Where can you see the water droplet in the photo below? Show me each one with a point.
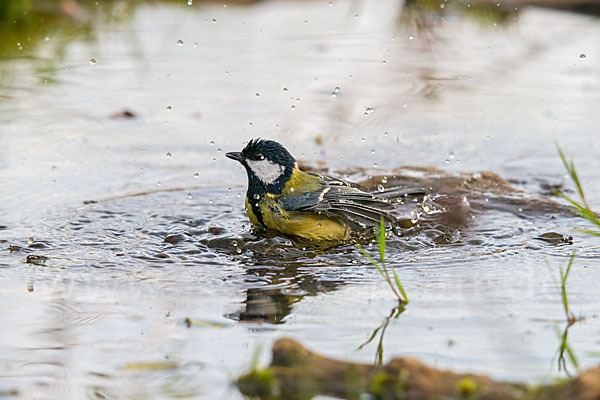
(380, 188)
(384, 179)
(368, 110)
(330, 4)
(190, 2)
(92, 61)
(210, 201)
(46, 38)
(293, 107)
(169, 155)
(372, 151)
(190, 196)
(363, 140)
(442, 5)
(375, 165)
(256, 196)
(582, 55)
(219, 150)
(180, 42)
(404, 105)
(355, 16)
(212, 143)
(335, 91)
(285, 89)
(411, 37)
(30, 240)
(197, 175)
(319, 224)
(292, 190)
(214, 21)
(158, 183)
(257, 94)
(305, 21)
(195, 44)
(169, 108)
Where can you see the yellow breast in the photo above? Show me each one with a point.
(308, 225)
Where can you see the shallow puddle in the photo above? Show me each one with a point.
(128, 266)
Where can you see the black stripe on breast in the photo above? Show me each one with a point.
(255, 206)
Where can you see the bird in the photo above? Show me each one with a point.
(313, 207)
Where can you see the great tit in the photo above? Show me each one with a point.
(319, 208)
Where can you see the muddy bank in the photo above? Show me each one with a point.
(297, 373)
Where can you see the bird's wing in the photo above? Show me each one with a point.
(399, 193)
(337, 198)
(391, 194)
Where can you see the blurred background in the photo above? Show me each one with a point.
(114, 120)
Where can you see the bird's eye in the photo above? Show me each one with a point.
(260, 156)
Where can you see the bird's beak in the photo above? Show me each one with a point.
(235, 155)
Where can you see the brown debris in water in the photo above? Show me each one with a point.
(124, 114)
(297, 373)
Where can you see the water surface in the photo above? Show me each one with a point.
(95, 196)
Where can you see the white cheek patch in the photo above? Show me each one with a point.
(265, 170)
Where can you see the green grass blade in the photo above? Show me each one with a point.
(570, 167)
(581, 210)
(565, 301)
(371, 259)
(571, 259)
(571, 356)
(370, 338)
(381, 241)
(562, 157)
(587, 231)
(575, 179)
(400, 287)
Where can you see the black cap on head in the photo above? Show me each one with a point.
(268, 164)
(259, 149)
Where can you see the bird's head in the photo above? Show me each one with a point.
(268, 164)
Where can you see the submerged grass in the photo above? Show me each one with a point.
(564, 349)
(398, 289)
(395, 313)
(582, 208)
(395, 286)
